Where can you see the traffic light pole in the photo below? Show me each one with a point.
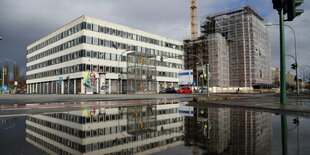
(282, 59)
(283, 82)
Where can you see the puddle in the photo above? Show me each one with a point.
(152, 128)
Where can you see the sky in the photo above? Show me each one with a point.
(24, 21)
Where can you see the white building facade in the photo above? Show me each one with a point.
(94, 50)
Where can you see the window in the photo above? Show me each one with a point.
(107, 69)
(113, 69)
(88, 54)
(108, 56)
(101, 55)
(89, 26)
(88, 40)
(95, 41)
(95, 27)
(113, 57)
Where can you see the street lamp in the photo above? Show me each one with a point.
(1, 38)
(7, 59)
(197, 76)
(120, 89)
(295, 58)
(203, 70)
(118, 69)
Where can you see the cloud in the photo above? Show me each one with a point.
(23, 22)
(300, 26)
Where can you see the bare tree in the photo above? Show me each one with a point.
(16, 73)
(7, 73)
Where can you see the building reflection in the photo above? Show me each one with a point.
(226, 131)
(111, 130)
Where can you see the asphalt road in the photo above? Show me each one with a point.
(31, 104)
(8, 99)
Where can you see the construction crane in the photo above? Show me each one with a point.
(194, 25)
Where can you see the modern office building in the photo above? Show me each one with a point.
(143, 129)
(89, 55)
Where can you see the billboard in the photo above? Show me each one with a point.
(186, 77)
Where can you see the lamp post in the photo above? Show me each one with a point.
(295, 47)
(120, 89)
(197, 76)
(118, 70)
(297, 81)
(202, 65)
(203, 70)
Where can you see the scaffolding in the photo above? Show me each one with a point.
(247, 39)
(213, 50)
(141, 73)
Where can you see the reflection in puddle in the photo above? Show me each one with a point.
(146, 128)
(162, 128)
(228, 131)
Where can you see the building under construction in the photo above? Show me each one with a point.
(243, 35)
(213, 50)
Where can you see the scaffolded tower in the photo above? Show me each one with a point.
(213, 50)
(141, 73)
(247, 37)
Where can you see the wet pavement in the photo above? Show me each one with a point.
(158, 126)
(16, 99)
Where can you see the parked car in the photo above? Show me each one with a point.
(201, 90)
(20, 92)
(168, 91)
(184, 90)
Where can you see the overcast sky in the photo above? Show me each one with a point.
(24, 21)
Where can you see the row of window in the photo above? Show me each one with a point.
(106, 30)
(105, 43)
(79, 133)
(128, 35)
(102, 131)
(58, 48)
(93, 54)
(57, 37)
(98, 146)
(135, 138)
(148, 146)
(91, 68)
(107, 143)
(48, 145)
(66, 142)
(99, 118)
